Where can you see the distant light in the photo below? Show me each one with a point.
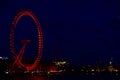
(116, 70)
(82, 70)
(93, 73)
(6, 72)
(60, 70)
(92, 70)
(72, 69)
(3, 58)
(32, 72)
(48, 72)
(6, 57)
(60, 63)
(0, 57)
(110, 62)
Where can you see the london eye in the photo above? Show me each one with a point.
(18, 56)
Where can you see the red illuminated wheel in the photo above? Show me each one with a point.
(39, 34)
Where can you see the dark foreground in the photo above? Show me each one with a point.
(91, 76)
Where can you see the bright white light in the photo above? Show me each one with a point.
(92, 70)
(6, 72)
(48, 72)
(0, 57)
(116, 70)
(110, 62)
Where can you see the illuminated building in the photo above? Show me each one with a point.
(110, 67)
(3, 64)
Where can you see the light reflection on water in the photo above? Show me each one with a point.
(24, 77)
(31, 78)
(64, 77)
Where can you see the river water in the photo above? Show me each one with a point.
(62, 77)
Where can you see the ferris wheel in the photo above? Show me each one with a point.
(18, 57)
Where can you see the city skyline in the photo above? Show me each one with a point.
(80, 32)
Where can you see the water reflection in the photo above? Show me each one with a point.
(63, 77)
(31, 78)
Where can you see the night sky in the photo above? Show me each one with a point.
(81, 32)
